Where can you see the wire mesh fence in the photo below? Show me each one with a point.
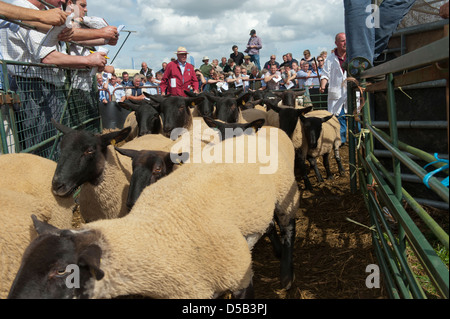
(33, 94)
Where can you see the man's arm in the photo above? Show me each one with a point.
(96, 59)
(52, 17)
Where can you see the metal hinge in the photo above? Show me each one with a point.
(9, 98)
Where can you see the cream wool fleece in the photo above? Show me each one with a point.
(165, 249)
(25, 189)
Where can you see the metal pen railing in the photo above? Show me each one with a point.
(396, 237)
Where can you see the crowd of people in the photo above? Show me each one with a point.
(237, 71)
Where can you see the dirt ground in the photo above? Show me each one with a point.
(331, 253)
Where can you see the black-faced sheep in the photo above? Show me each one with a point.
(25, 188)
(191, 246)
(148, 167)
(174, 111)
(90, 161)
(147, 115)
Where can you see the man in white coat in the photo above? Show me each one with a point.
(334, 74)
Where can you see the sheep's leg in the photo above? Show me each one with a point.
(337, 157)
(313, 163)
(287, 263)
(301, 169)
(274, 239)
(326, 164)
(246, 293)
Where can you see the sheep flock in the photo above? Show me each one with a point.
(174, 211)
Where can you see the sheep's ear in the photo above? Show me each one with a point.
(193, 101)
(127, 152)
(61, 127)
(273, 106)
(127, 105)
(212, 123)
(298, 93)
(305, 110)
(324, 119)
(154, 98)
(43, 227)
(257, 124)
(90, 257)
(115, 137)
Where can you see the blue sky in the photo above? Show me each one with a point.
(211, 28)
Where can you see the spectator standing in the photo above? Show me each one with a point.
(253, 46)
(304, 73)
(103, 94)
(145, 70)
(126, 79)
(334, 74)
(163, 68)
(230, 66)
(320, 62)
(273, 78)
(206, 67)
(247, 64)
(285, 61)
(255, 74)
(237, 56)
(290, 59)
(308, 58)
(215, 64)
(179, 76)
(272, 61)
(223, 62)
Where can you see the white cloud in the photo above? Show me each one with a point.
(211, 27)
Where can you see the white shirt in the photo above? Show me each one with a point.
(24, 46)
(337, 93)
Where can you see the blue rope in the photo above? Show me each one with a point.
(428, 176)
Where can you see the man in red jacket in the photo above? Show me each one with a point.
(179, 76)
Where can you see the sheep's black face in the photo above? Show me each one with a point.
(148, 168)
(175, 112)
(148, 120)
(288, 120)
(81, 160)
(206, 107)
(57, 265)
(227, 110)
(312, 127)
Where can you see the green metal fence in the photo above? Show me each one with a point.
(393, 211)
(33, 94)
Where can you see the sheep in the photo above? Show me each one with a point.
(283, 199)
(25, 188)
(148, 167)
(292, 126)
(143, 110)
(191, 246)
(288, 97)
(175, 111)
(154, 252)
(90, 161)
(323, 136)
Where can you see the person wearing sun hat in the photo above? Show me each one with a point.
(206, 67)
(179, 76)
